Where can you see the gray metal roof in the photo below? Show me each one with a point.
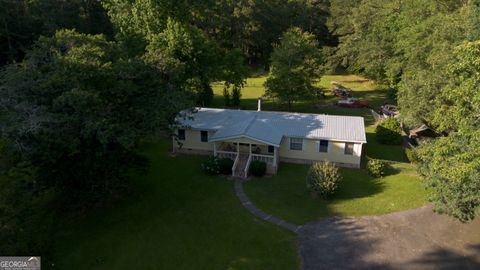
(271, 127)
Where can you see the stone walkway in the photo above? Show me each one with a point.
(259, 213)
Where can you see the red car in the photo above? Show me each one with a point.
(352, 103)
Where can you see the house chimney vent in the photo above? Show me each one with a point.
(259, 105)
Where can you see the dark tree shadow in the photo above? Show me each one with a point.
(443, 259)
(387, 242)
(336, 244)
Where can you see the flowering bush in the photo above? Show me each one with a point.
(211, 166)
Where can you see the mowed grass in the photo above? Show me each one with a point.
(176, 218)
(285, 195)
(364, 89)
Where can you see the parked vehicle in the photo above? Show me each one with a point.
(352, 103)
(340, 93)
(340, 90)
(388, 110)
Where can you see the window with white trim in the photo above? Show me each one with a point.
(296, 144)
(349, 148)
(323, 146)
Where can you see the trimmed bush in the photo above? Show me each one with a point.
(411, 155)
(258, 168)
(376, 167)
(225, 165)
(389, 132)
(323, 178)
(211, 166)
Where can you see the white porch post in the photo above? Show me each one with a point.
(275, 153)
(238, 148)
(215, 148)
(249, 149)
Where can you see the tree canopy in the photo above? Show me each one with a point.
(428, 50)
(295, 67)
(77, 108)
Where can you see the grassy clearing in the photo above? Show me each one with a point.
(176, 218)
(285, 194)
(363, 89)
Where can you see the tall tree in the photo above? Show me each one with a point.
(295, 67)
(154, 29)
(451, 164)
(77, 108)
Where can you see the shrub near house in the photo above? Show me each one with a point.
(323, 178)
(389, 132)
(258, 168)
(376, 167)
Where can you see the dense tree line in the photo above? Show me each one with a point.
(429, 51)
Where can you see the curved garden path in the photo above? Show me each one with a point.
(258, 212)
(412, 239)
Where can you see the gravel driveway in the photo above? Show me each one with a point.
(413, 239)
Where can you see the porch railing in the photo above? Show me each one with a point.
(265, 158)
(235, 163)
(226, 154)
(247, 166)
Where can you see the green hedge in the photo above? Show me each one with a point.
(258, 168)
(225, 165)
(389, 132)
(376, 167)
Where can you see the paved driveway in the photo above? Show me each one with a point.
(413, 239)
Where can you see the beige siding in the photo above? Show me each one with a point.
(192, 141)
(310, 151)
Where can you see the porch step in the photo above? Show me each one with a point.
(242, 162)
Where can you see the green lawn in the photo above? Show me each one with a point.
(363, 89)
(176, 218)
(285, 194)
(374, 149)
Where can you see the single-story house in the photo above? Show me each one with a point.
(271, 137)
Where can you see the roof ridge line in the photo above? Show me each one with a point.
(250, 124)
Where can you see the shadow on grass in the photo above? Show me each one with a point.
(374, 149)
(357, 184)
(392, 170)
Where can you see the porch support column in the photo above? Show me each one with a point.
(215, 148)
(249, 149)
(275, 154)
(238, 148)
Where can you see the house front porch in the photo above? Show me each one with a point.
(243, 152)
